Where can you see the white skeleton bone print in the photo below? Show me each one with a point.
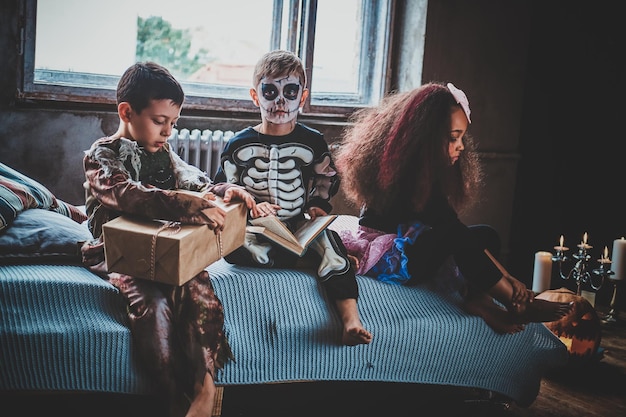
(274, 174)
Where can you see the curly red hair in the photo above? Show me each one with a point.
(396, 152)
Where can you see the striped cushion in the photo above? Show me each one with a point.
(19, 192)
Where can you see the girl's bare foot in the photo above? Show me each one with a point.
(524, 308)
(356, 335)
(541, 311)
(495, 316)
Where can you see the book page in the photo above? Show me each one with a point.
(273, 224)
(310, 229)
(277, 231)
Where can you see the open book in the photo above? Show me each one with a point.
(298, 242)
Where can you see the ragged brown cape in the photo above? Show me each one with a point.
(113, 188)
(177, 331)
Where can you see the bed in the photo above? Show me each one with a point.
(63, 329)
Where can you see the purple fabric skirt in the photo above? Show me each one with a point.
(383, 256)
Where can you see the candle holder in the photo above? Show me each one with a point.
(612, 317)
(579, 272)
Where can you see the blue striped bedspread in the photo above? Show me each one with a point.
(63, 328)
(282, 328)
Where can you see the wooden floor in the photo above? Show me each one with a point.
(595, 390)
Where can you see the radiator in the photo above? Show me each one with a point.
(200, 148)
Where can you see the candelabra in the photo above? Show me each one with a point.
(579, 272)
(611, 316)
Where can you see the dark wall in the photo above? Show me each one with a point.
(481, 46)
(571, 174)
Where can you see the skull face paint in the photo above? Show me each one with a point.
(279, 99)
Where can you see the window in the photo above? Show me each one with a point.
(76, 50)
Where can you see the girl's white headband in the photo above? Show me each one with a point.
(460, 98)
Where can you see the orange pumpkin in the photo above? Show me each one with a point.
(581, 329)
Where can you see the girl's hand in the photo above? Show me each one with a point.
(264, 209)
(316, 211)
(521, 294)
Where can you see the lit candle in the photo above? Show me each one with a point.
(619, 258)
(583, 245)
(560, 249)
(542, 272)
(604, 260)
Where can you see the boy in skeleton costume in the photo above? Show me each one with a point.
(287, 167)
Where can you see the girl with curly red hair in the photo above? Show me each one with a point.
(411, 167)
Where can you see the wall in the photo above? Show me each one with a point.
(481, 46)
(572, 137)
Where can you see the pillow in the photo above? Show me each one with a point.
(42, 235)
(19, 192)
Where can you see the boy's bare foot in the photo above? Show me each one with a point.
(356, 335)
(541, 311)
(202, 404)
(495, 316)
(353, 331)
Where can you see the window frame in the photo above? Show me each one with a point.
(219, 100)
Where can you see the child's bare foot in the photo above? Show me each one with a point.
(353, 331)
(495, 316)
(202, 404)
(540, 311)
(356, 335)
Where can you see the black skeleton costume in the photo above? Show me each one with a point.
(295, 171)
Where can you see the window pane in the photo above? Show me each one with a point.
(337, 47)
(206, 41)
(76, 50)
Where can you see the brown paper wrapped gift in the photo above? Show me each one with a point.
(170, 252)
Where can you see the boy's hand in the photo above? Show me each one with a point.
(264, 209)
(216, 217)
(208, 196)
(316, 211)
(354, 261)
(239, 194)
